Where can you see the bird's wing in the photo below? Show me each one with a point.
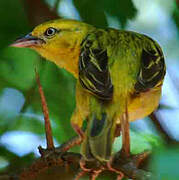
(152, 70)
(94, 75)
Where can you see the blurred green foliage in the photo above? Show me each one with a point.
(17, 72)
(123, 10)
(175, 15)
(164, 163)
(140, 142)
(13, 23)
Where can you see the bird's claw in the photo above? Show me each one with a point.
(80, 174)
(95, 172)
(120, 175)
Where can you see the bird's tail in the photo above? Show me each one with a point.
(99, 138)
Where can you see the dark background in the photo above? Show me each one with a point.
(21, 118)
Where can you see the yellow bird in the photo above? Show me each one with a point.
(116, 71)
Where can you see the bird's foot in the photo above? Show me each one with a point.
(120, 175)
(93, 168)
(128, 166)
(121, 165)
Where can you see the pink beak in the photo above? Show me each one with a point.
(28, 41)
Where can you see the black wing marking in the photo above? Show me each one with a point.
(93, 69)
(152, 69)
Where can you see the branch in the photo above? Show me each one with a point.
(54, 167)
(161, 129)
(66, 166)
(56, 6)
(48, 129)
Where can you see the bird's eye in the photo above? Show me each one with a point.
(50, 32)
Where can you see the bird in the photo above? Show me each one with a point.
(117, 71)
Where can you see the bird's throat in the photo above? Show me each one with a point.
(63, 58)
(69, 61)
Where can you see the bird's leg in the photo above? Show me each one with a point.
(82, 165)
(96, 173)
(125, 151)
(79, 131)
(124, 158)
(80, 174)
(120, 175)
(99, 168)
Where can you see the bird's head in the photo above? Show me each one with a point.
(56, 40)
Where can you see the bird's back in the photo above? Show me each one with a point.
(137, 71)
(120, 69)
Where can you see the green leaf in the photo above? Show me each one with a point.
(123, 10)
(94, 12)
(91, 12)
(13, 21)
(17, 67)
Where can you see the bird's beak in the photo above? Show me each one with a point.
(28, 41)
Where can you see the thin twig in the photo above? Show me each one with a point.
(69, 144)
(55, 9)
(48, 129)
(161, 129)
